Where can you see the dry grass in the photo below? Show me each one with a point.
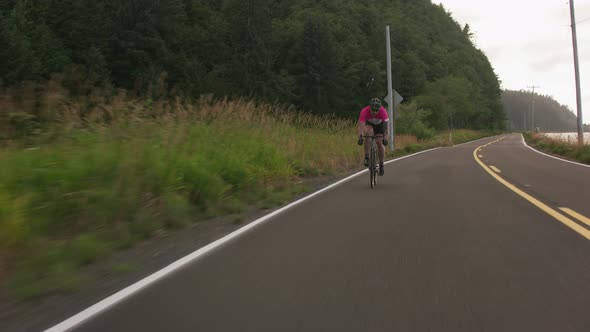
(108, 170)
(557, 147)
(404, 140)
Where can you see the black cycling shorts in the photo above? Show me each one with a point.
(378, 129)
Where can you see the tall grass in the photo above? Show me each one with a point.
(558, 147)
(85, 177)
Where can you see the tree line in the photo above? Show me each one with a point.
(549, 115)
(323, 56)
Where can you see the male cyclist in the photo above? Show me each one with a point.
(373, 121)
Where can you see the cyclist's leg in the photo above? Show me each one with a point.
(379, 131)
(368, 132)
(381, 153)
(380, 148)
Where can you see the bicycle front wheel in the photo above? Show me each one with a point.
(373, 168)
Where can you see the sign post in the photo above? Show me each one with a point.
(389, 88)
(395, 101)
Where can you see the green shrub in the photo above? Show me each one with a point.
(14, 228)
(44, 270)
(561, 149)
(412, 121)
(85, 248)
(179, 211)
(412, 148)
(583, 154)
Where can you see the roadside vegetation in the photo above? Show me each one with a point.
(82, 177)
(559, 148)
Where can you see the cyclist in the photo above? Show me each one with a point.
(373, 121)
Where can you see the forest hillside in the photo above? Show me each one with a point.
(323, 56)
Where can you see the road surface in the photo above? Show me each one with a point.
(441, 244)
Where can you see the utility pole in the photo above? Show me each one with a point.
(577, 70)
(533, 122)
(389, 91)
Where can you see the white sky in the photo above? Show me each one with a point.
(529, 42)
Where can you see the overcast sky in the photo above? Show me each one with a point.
(529, 42)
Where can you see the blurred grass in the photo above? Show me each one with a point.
(558, 147)
(84, 186)
(82, 177)
(122, 268)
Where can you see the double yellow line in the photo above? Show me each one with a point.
(550, 211)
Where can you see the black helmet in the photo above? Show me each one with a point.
(375, 104)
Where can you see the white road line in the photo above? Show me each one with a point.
(550, 156)
(112, 300)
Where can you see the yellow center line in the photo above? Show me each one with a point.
(545, 208)
(495, 169)
(576, 215)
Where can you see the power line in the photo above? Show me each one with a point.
(569, 25)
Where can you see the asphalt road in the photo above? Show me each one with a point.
(439, 245)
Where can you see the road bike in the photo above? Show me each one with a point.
(373, 164)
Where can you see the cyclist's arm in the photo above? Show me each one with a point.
(361, 128)
(386, 130)
(385, 118)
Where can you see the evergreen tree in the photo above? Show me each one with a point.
(251, 45)
(320, 55)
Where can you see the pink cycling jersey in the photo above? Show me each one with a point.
(369, 118)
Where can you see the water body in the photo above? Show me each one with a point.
(569, 137)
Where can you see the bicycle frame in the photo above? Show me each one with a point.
(373, 164)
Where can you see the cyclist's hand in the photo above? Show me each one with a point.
(361, 140)
(385, 142)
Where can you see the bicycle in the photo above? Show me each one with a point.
(373, 164)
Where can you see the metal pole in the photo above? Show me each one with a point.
(389, 90)
(533, 116)
(577, 70)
